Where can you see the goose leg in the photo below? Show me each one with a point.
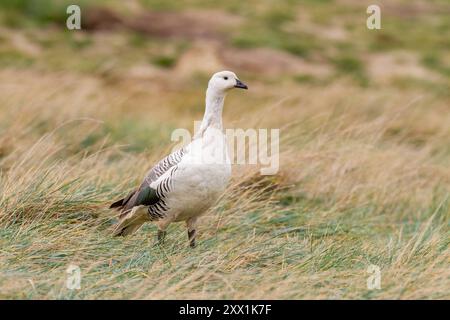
(192, 231)
(162, 226)
(161, 236)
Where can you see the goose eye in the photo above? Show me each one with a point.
(225, 78)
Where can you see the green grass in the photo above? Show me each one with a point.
(434, 62)
(349, 65)
(137, 267)
(11, 57)
(165, 61)
(39, 11)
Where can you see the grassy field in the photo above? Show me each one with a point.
(364, 119)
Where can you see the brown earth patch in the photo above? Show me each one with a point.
(212, 56)
(401, 9)
(206, 24)
(20, 42)
(384, 66)
(201, 56)
(413, 9)
(97, 18)
(304, 23)
(271, 61)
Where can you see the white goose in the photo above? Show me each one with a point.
(187, 182)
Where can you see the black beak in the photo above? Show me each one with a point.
(240, 85)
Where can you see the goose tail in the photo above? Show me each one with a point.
(131, 221)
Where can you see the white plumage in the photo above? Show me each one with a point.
(183, 185)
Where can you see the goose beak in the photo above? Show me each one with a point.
(240, 85)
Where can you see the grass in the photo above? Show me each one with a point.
(347, 196)
(165, 61)
(364, 170)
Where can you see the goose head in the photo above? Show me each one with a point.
(223, 81)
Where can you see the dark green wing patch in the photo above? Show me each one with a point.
(146, 196)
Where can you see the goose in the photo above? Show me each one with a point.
(184, 184)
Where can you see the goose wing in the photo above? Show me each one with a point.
(146, 195)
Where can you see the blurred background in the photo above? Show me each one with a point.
(172, 47)
(364, 119)
(304, 42)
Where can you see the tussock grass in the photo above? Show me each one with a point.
(363, 180)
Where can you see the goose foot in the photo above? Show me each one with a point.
(161, 236)
(191, 237)
(192, 230)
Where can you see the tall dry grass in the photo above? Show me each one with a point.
(364, 179)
